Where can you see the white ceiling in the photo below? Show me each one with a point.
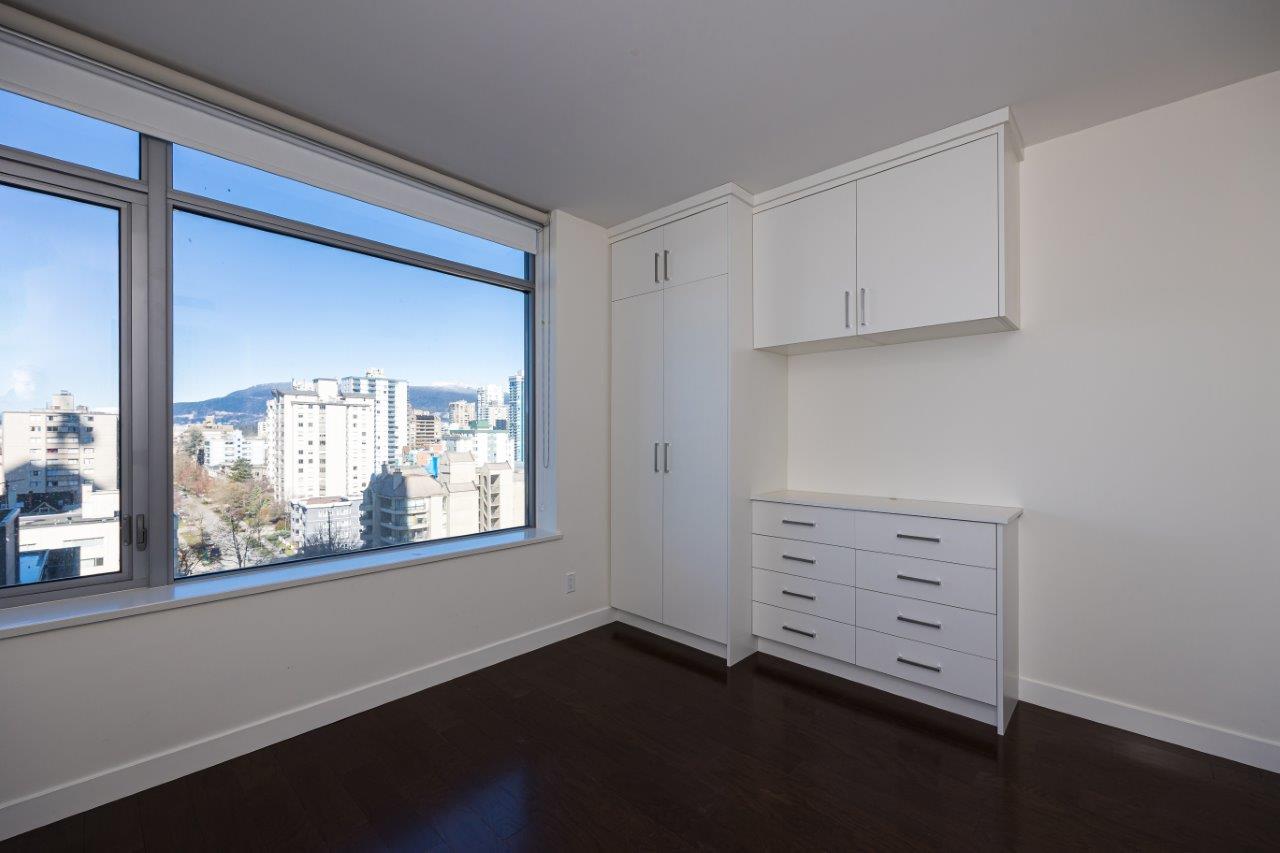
(611, 108)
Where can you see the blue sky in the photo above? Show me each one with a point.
(249, 306)
(59, 268)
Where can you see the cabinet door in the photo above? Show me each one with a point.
(804, 284)
(635, 507)
(636, 264)
(928, 240)
(695, 375)
(696, 247)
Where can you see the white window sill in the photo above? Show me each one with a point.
(85, 609)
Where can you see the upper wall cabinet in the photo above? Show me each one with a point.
(929, 241)
(805, 251)
(917, 242)
(688, 249)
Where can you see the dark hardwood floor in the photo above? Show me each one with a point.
(615, 740)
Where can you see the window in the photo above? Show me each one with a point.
(58, 252)
(292, 422)
(234, 183)
(64, 135)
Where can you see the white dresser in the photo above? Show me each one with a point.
(918, 598)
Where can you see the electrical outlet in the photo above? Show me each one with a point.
(570, 582)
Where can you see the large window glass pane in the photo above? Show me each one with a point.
(65, 135)
(235, 183)
(327, 401)
(59, 388)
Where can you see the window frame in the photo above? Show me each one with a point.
(37, 173)
(147, 206)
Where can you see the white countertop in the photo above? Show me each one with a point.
(901, 506)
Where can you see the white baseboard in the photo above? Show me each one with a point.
(693, 641)
(43, 807)
(1247, 749)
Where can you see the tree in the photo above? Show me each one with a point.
(192, 442)
(240, 471)
(243, 507)
(190, 476)
(193, 551)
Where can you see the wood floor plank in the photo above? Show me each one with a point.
(615, 739)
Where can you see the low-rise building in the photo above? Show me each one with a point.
(79, 542)
(327, 525)
(501, 493)
(8, 545)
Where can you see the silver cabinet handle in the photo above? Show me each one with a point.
(910, 662)
(926, 624)
(915, 538)
(933, 581)
(800, 595)
(846, 309)
(655, 267)
(862, 307)
(809, 634)
(666, 275)
(799, 559)
(655, 456)
(800, 523)
(666, 457)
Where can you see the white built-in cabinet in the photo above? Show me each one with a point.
(689, 249)
(709, 296)
(682, 369)
(913, 243)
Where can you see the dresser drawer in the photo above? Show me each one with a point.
(807, 559)
(973, 587)
(810, 523)
(955, 672)
(805, 631)
(969, 542)
(828, 600)
(938, 624)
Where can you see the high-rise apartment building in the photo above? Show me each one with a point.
(516, 414)
(428, 427)
(391, 412)
(47, 454)
(461, 414)
(321, 440)
(487, 396)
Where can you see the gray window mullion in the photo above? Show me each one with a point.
(158, 556)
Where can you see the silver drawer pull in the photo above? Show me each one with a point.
(902, 618)
(932, 581)
(809, 634)
(915, 538)
(800, 523)
(799, 559)
(910, 662)
(800, 595)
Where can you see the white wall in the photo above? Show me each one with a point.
(1136, 415)
(81, 701)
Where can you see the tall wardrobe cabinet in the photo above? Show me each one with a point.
(688, 448)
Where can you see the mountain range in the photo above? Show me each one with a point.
(249, 405)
